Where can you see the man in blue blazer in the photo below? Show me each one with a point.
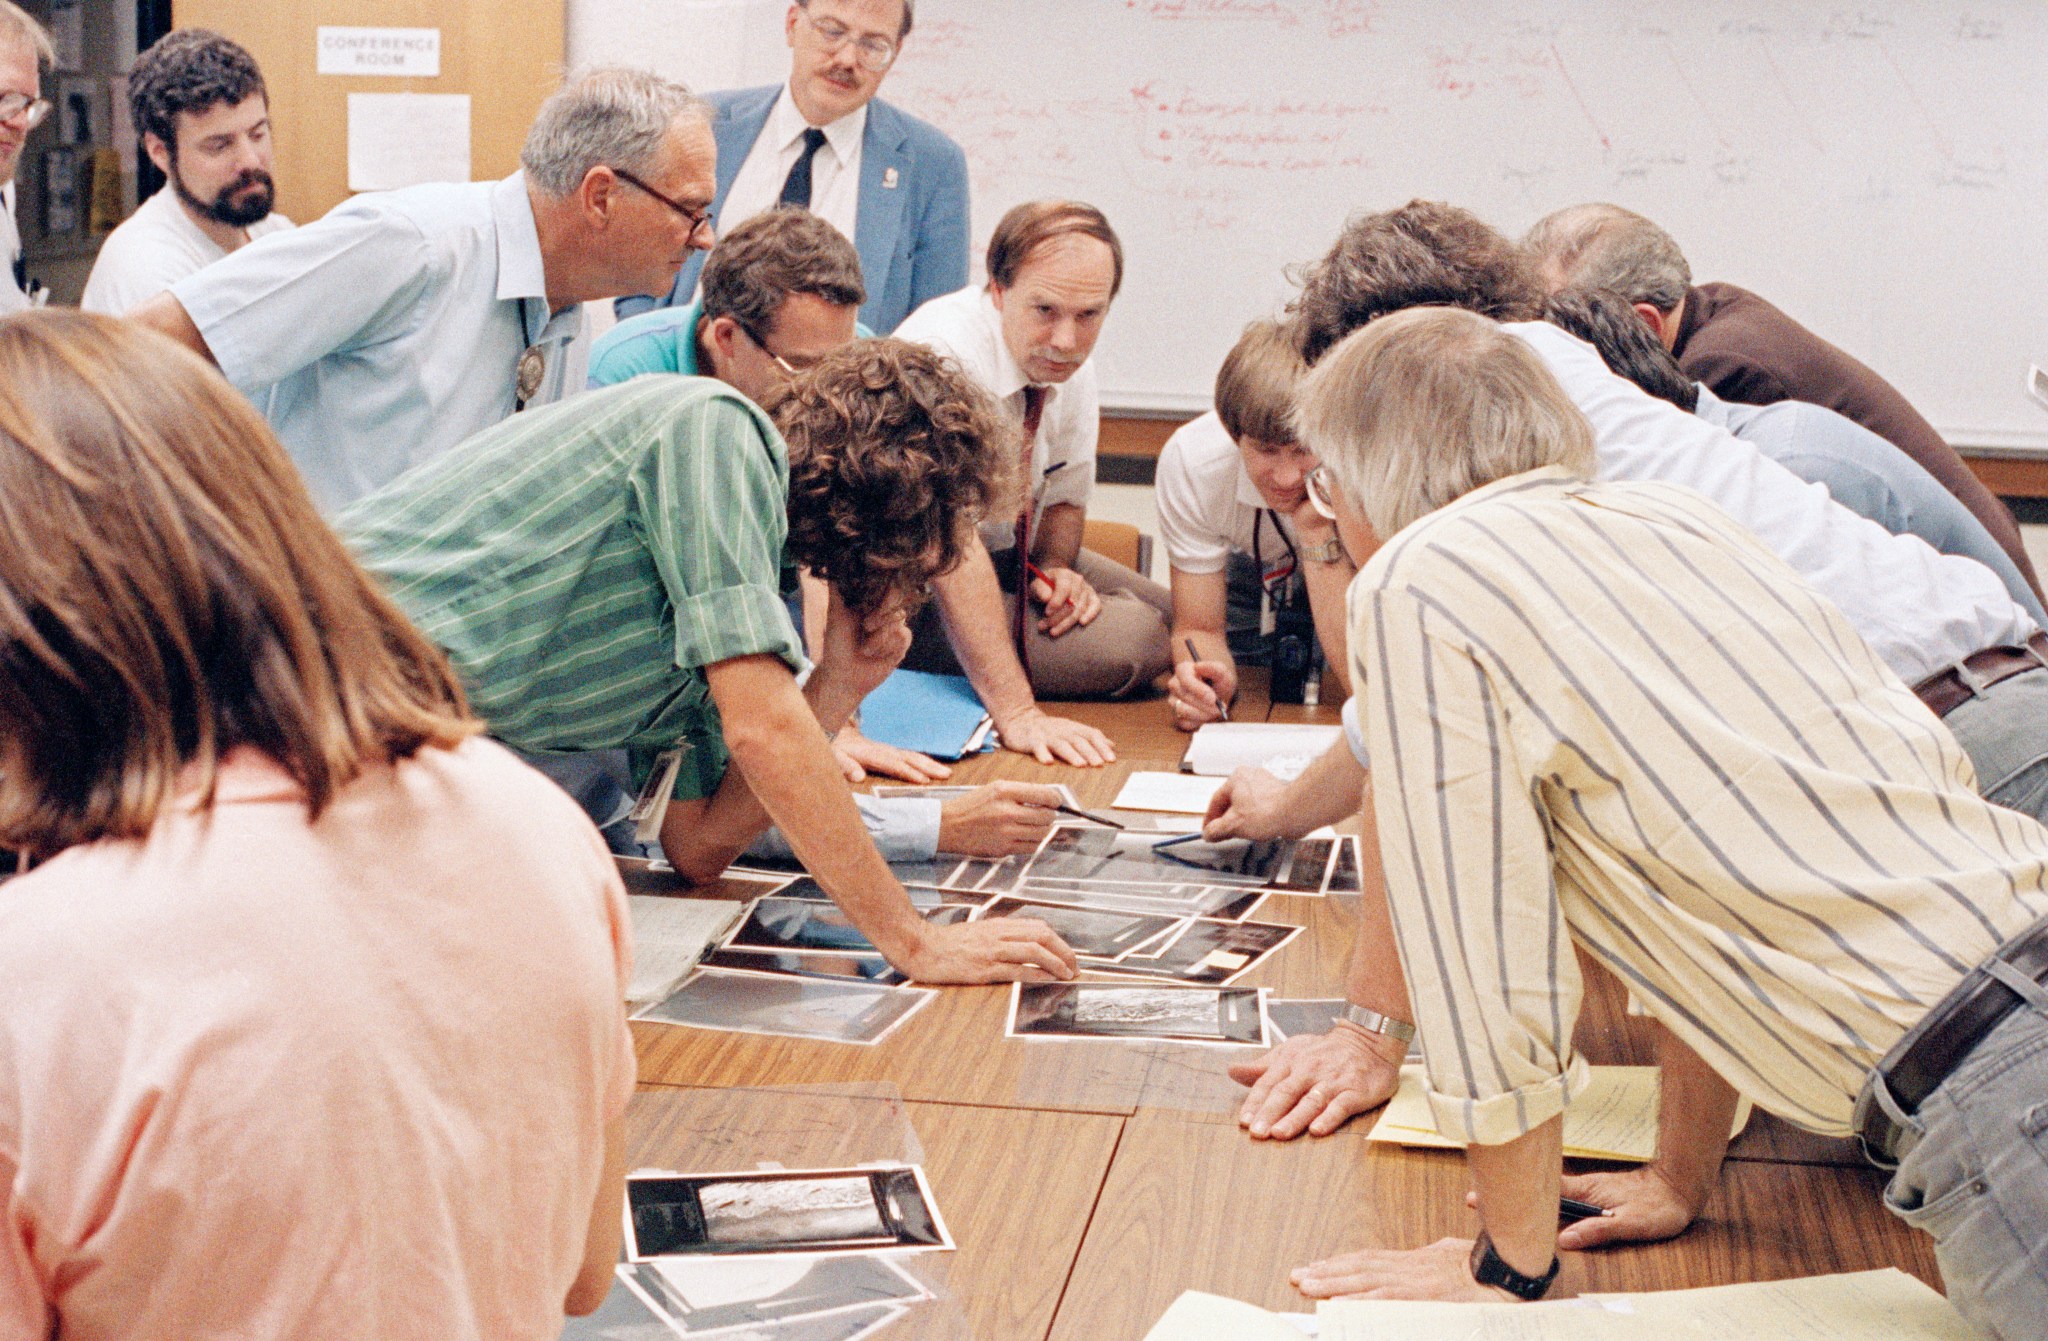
(894, 184)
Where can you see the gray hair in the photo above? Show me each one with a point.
(613, 116)
(17, 24)
(1425, 405)
(1607, 247)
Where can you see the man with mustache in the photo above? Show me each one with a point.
(199, 104)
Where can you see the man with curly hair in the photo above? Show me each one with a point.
(611, 573)
(200, 107)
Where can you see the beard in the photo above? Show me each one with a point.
(252, 207)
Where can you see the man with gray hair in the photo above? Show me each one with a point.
(406, 321)
(1745, 350)
(24, 54)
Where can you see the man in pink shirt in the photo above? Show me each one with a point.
(310, 1005)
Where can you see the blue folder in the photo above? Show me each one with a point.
(916, 710)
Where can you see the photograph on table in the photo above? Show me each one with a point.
(653, 875)
(1093, 933)
(1288, 1016)
(1223, 903)
(938, 871)
(1073, 853)
(806, 924)
(696, 1295)
(809, 1211)
(921, 896)
(1113, 1011)
(851, 967)
(1344, 877)
(1214, 953)
(831, 1011)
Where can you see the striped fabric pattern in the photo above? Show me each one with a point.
(1605, 714)
(581, 563)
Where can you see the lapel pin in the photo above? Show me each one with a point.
(888, 179)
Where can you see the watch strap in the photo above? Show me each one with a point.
(1489, 1269)
(1375, 1023)
(1330, 551)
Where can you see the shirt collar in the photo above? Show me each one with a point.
(1247, 492)
(1009, 376)
(786, 125)
(521, 272)
(1541, 477)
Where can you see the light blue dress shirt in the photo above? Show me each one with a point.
(1869, 476)
(390, 330)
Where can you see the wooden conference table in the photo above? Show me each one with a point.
(1088, 1184)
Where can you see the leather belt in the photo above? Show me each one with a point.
(1931, 1049)
(1952, 686)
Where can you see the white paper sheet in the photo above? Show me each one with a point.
(1180, 793)
(403, 139)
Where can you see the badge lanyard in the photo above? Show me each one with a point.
(1273, 584)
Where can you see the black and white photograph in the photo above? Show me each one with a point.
(1208, 952)
(921, 896)
(696, 1295)
(833, 1011)
(1093, 933)
(1075, 853)
(1225, 903)
(850, 966)
(1233, 1015)
(778, 923)
(812, 1211)
(1288, 1016)
(1344, 877)
(1307, 866)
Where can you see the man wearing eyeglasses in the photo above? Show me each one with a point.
(24, 52)
(406, 321)
(894, 184)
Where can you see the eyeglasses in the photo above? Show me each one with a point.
(1317, 485)
(875, 54)
(699, 218)
(762, 345)
(25, 106)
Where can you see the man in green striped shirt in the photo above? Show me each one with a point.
(610, 573)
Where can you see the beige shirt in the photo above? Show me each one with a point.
(1605, 714)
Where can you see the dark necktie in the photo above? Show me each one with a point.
(1034, 413)
(796, 188)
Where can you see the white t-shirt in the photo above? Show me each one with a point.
(12, 299)
(153, 249)
(1208, 506)
(835, 168)
(965, 326)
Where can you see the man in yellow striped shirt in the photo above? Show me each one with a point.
(1605, 715)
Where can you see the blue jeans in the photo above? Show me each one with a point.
(2004, 730)
(1977, 1181)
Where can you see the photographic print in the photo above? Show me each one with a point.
(1126, 856)
(784, 1211)
(1114, 1011)
(1344, 877)
(1093, 933)
(1209, 952)
(809, 964)
(1307, 866)
(709, 1294)
(921, 896)
(832, 1011)
(1288, 1017)
(779, 923)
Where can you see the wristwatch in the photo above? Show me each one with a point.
(1329, 551)
(1488, 1269)
(1375, 1023)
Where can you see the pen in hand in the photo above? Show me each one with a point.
(1194, 656)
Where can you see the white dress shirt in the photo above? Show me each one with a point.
(1918, 609)
(965, 326)
(154, 248)
(12, 299)
(1208, 506)
(835, 168)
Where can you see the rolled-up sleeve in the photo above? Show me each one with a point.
(291, 298)
(1481, 932)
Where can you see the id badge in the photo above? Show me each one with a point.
(650, 808)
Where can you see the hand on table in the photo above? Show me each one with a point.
(1199, 692)
(1249, 804)
(858, 756)
(999, 820)
(1055, 740)
(1315, 1083)
(1443, 1270)
(1646, 1206)
(1003, 949)
(1069, 601)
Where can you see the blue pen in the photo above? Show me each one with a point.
(1178, 839)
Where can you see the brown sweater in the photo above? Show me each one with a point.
(1746, 350)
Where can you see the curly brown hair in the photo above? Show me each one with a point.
(894, 453)
(1424, 254)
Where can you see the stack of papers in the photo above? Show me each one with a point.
(1886, 1305)
(1614, 1117)
(939, 715)
(670, 937)
(1221, 748)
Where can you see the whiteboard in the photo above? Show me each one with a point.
(1879, 170)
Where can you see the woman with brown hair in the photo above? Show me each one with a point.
(260, 1070)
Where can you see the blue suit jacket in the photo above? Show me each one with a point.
(911, 236)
